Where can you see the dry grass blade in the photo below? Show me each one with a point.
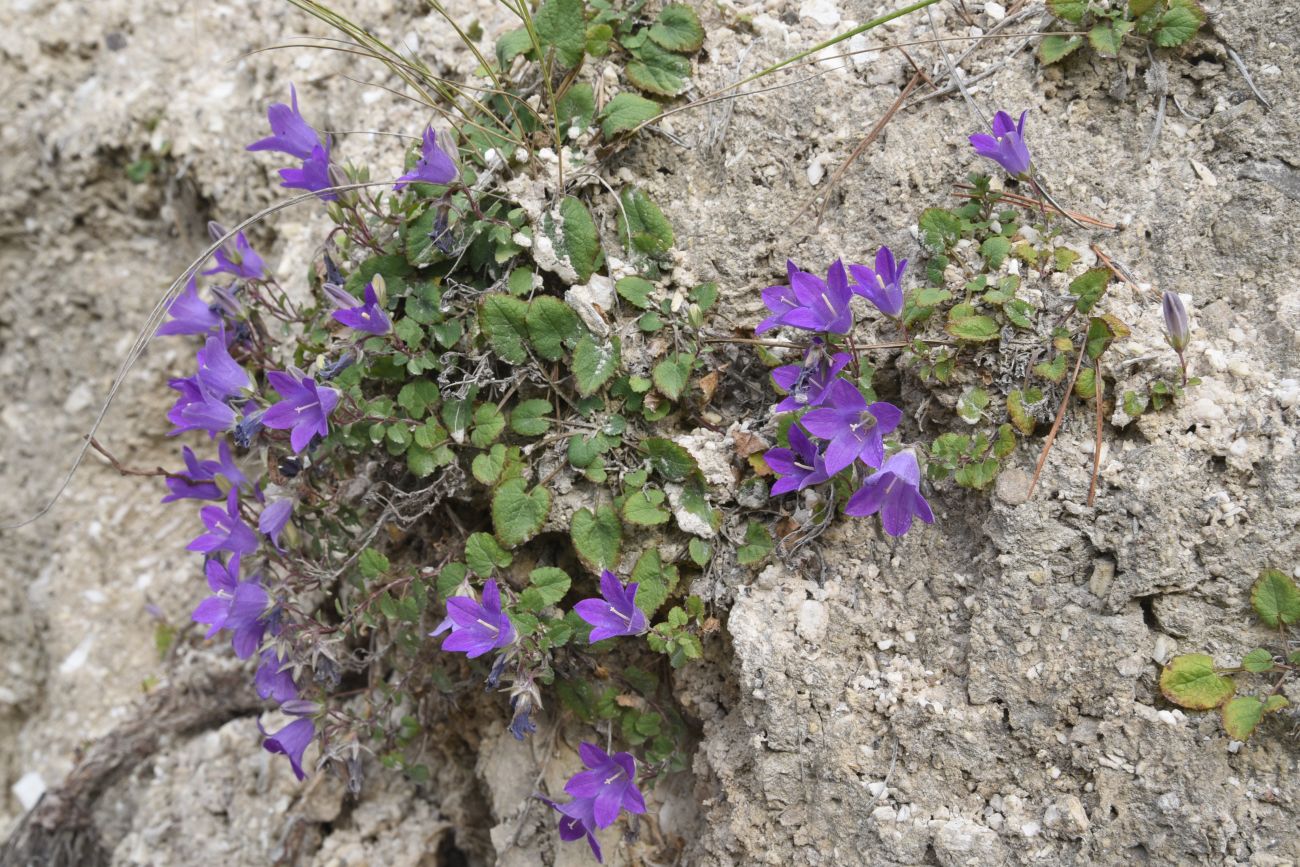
(1096, 450)
(1056, 425)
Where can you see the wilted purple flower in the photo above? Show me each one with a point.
(616, 614)
(1177, 325)
(314, 175)
(433, 167)
(477, 628)
(610, 784)
(239, 260)
(894, 492)
(882, 285)
(855, 430)
(219, 374)
(799, 466)
(226, 530)
(817, 305)
(274, 678)
(304, 409)
(578, 820)
(369, 317)
(1006, 146)
(198, 409)
(249, 426)
(807, 383)
(196, 483)
(292, 741)
(190, 315)
(521, 723)
(274, 518)
(290, 133)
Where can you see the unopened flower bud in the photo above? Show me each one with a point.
(300, 707)
(1177, 327)
(695, 316)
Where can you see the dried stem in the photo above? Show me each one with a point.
(1056, 425)
(1096, 448)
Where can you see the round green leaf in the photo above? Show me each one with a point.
(668, 459)
(1258, 660)
(594, 364)
(517, 513)
(502, 320)
(977, 329)
(529, 418)
(1241, 715)
(1276, 599)
(551, 324)
(625, 112)
(488, 425)
(673, 373)
(597, 537)
(678, 29)
(483, 554)
(1192, 682)
(639, 509)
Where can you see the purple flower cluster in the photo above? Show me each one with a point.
(292, 135)
(598, 795)
(850, 428)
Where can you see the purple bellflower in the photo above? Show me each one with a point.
(855, 430)
(196, 483)
(240, 260)
(477, 628)
(273, 520)
(807, 383)
(1006, 146)
(434, 166)
(274, 678)
(616, 613)
(1177, 324)
(226, 530)
(609, 784)
(894, 492)
(189, 314)
(218, 373)
(798, 466)
(369, 317)
(811, 303)
(291, 741)
(290, 133)
(239, 606)
(304, 408)
(578, 820)
(198, 409)
(314, 175)
(882, 285)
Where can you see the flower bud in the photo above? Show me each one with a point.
(695, 316)
(1177, 327)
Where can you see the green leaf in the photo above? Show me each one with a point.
(652, 587)
(578, 241)
(1052, 371)
(483, 554)
(529, 419)
(971, 405)
(1019, 413)
(1099, 338)
(597, 537)
(372, 563)
(594, 364)
(456, 416)
(418, 396)
(642, 225)
(517, 513)
(1005, 442)
(417, 239)
(1275, 703)
(599, 37)
(978, 475)
(1068, 10)
(705, 295)
(1191, 681)
(977, 329)
(547, 586)
(640, 509)
(678, 29)
(657, 71)
(1241, 715)
(758, 544)
(551, 324)
(1088, 288)
(1086, 385)
(409, 332)
(577, 107)
(520, 281)
(488, 425)
(668, 459)
(423, 460)
(503, 319)
(1107, 39)
(995, 250)
(1258, 660)
(1275, 598)
(700, 552)
(488, 466)
(1138, 8)
(560, 24)
(1054, 49)
(1179, 24)
(513, 44)
(931, 297)
(635, 290)
(940, 229)
(673, 373)
(626, 112)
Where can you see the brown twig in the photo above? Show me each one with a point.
(1116, 268)
(125, 470)
(1096, 448)
(1034, 205)
(1056, 425)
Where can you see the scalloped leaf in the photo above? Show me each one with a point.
(1275, 598)
(1241, 716)
(597, 537)
(1191, 681)
(678, 28)
(517, 513)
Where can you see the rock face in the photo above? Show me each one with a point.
(983, 692)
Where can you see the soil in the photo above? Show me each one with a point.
(982, 692)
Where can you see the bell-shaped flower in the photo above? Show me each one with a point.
(895, 492)
(1178, 329)
(799, 466)
(821, 305)
(477, 628)
(854, 429)
(291, 741)
(190, 314)
(226, 529)
(238, 259)
(434, 166)
(1006, 146)
(615, 613)
(219, 374)
(290, 134)
(313, 176)
(304, 408)
(807, 383)
(274, 678)
(578, 820)
(274, 518)
(882, 285)
(369, 317)
(610, 783)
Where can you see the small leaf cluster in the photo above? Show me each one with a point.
(1193, 680)
(1165, 23)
